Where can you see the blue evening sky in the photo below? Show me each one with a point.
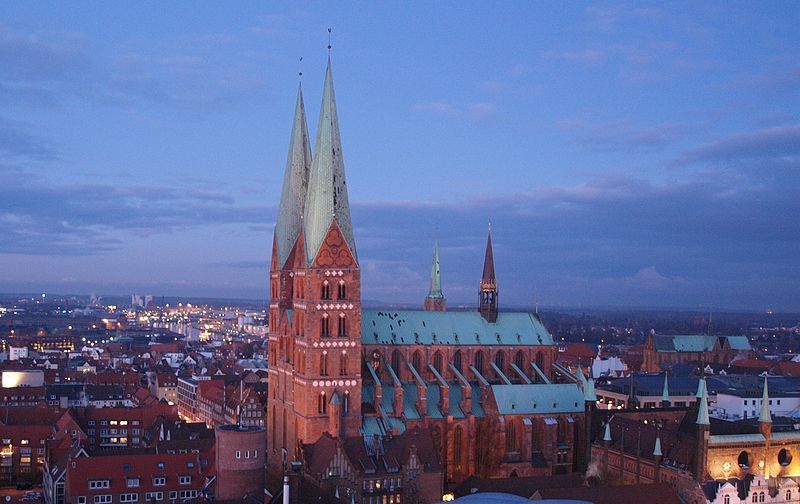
(627, 153)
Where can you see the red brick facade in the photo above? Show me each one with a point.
(315, 348)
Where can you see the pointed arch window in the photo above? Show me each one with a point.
(343, 364)
(342, 290)
(479, 361)
(346, 401)
(325, 326)
(416, 360)
(396, 361)
(458, 438)
(511, 437)
(323, 363)
(322, 407)
(500, 360)
(457, 360)
(437, 361)
(325, 291)
(342, 329)
(519, 360)
(540, 361)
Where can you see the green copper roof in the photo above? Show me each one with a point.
(295, 184)
(538, 398)
(435, 292)
(327, 200)
(408, 327)
(765, 416)
(702, 413)
(697, 342)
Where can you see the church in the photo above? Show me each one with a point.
(390, 406)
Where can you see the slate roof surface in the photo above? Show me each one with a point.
(409, 327)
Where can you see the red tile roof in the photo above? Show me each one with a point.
(119, 468)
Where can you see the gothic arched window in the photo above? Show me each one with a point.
(322, 407)
(458, 439)
(396, 361)
(416, 360)
(346, 402)
(437, 361)
(325, 291)
(457, 360)
(323, 363)
(511, 437)
(343, 364)
(479, 361)
(325, 326)
(519, 360)
(342, 291)
(500, 360)
(342, 325)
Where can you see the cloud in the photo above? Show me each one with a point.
(85, 219)
(623, 134)
(591, 56)
(17, 143)
(471, 111)
(772, 143)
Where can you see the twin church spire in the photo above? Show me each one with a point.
(314, 194)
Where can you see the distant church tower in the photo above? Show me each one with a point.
(315, 296)
(435, 300)
(487, 298)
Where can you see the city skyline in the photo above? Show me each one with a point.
(636, 158)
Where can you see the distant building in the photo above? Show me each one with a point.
(660, 351)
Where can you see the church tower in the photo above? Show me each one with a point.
(487, 300)
(435, 300)
(316, 383)
(287, 248)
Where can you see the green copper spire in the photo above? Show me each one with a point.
(657, 448)
(435, 292)
(295, 184)
(702, 413)
(665, 391)
(607, 433)
(327, 200)
(589, 394)
(701, 385)
(765, 415)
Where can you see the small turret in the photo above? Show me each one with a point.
(435, 300)
(765, 417)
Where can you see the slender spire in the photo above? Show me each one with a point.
(327, 200)
(488, 294)
(607, 433)
(702, 413)
(488, 279)
(665, 390)
(435, 291)
(295, 184)
(765, 416)
(701, 385)
(657, 448)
